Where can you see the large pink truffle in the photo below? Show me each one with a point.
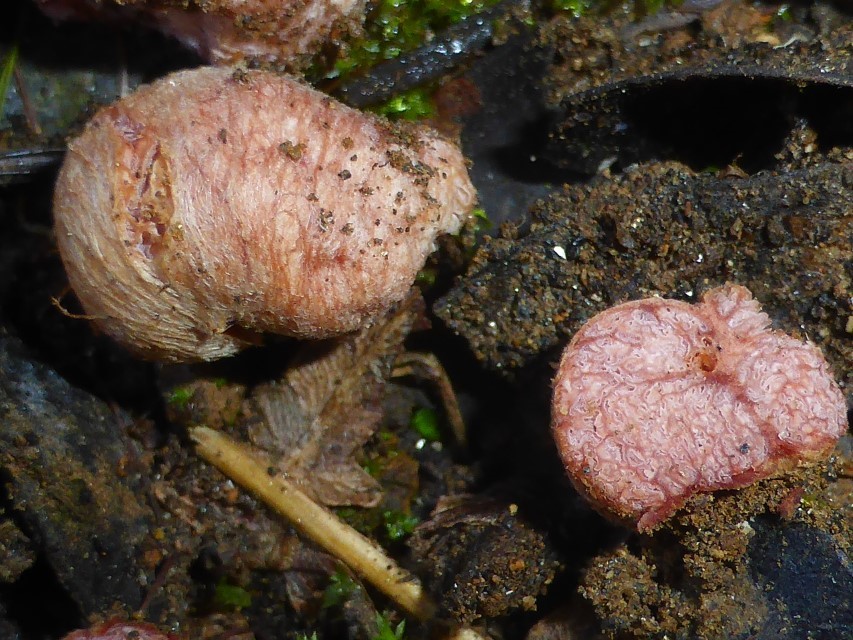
(214, 204)
(655, 400)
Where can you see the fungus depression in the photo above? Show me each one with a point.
(655, 400)
(214, 204)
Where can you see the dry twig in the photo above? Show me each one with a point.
(316, 522)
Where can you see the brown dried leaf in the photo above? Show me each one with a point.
(315, 420)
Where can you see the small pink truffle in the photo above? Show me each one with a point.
(655, 400)
(120, 630)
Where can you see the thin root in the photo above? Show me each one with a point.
(56, 301)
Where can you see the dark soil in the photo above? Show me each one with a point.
(619, 156)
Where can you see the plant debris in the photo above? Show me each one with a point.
(316, 419)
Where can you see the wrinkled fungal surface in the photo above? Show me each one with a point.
(223, 31)
(119, 630)
(216, 203)
(655, 400)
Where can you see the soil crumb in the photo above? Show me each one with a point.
(483, 560)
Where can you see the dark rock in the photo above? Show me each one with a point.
(62, 453)
(807, 577)
(16, 553)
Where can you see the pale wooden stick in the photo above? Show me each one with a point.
(314, 521)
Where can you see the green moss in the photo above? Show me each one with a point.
(373, 467)
(640, 8)
(426, 277)
(482, 222)
(340, 588)
(229, 596)
(180, 398)
(365, 521)
(576, 7)
(377, 459)
(395, 26)
(398, 525)
(651, 7)
(414, 104)
(425, 422)
(387, 631)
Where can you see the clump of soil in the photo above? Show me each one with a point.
(593, 51)
(482, 558)
(692, 579)
(662, 229)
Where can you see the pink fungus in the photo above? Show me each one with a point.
(227, 31)
(655, 400)
(116, 629)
